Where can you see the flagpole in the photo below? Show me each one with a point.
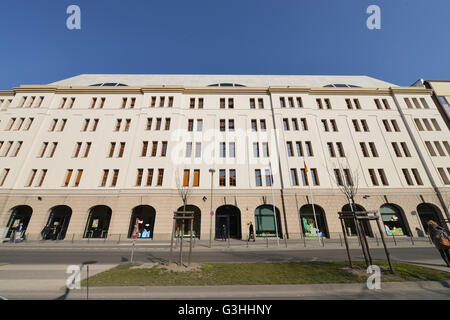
(310, 192)
(273, 203)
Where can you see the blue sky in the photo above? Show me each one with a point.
(224, 37)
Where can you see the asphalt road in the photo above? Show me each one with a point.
(112, 255)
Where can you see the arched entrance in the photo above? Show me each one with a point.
(230, 216)
(265, 221)
(196, 223)
(98, 222)
(146, 215)
(308, 220)
(428, 212)
(19, 219)
(394, 220)
(58, 222)
(349, 223)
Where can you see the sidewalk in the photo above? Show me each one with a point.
(231, 244)
(389, 291)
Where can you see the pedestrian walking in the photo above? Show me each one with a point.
(440, 240)
(224, 232)
(251, 232)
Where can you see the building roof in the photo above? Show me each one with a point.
(223, 80)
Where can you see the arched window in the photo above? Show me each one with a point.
(230, 217)
(349, 223)
(265, 221)
(58, 222)
(393, 220)
(196, 222)
(313, 221)
(146, 216)
(427, 212)
(98, 222)
(19, 219)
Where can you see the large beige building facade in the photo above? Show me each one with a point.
(93, 153)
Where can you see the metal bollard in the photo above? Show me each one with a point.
(267, 242)
(228, 242)
(340, 239)
(323, 242)
(120, 235)
(285, 241)
(412, 240)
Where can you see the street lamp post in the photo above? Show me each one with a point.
(210, 213)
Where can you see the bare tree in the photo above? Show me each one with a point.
(183, 191)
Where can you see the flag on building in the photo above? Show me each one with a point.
(306, 172)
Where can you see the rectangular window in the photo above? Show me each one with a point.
(44, 147)
(373, 149)
(200, 103)
(162, 101)
(304, 175)
(294, 124)
(30, 121)
(158, 124)
(386, 126)
(334, 125)
(93, 102)
(133, 102)
(87, 149)
(222, 124)
(52, 152)
(340, 149)
(190, 124)
(265, 148)
(170, 105)
(408, 103)
(149, 177)
(357, 105)
(77, 150)
(232, 177)
(231, 103)
(436, 125)
(407, 177)
(378, 104)
(395, 125)
(290, 151)
(417, 176)
(269, 178)
(68, 176)
(383, 177)
(196, 178)
(364, 125)
(319, 103)
(4, 175)
(328, 103)
(256, 150)
(356, 125)
(124, 103)
(373, 177)
(152, 102)
(63, 102)
(10, 143)
(252, 103)
(118, 123)
(188, 149)
(258, 180)
(315, 177)
(286, 124)
(140, 172)
(11, 123)
(325, 125)
(199, 125)
(405, 149)
(121, 150)
(232, 149)
(231, 125)
(348, 177)
(424, 103)
(260, 104)
(291, 102)
(396, 149)
(262, 124)
(386, 104)
(78, 179)
(299, 148)
(304, 124)
(331, 150)
(192, 103)
(186, 178)
(63, 124)
(102, 102)
(222, 150)
(282, 103)
(41, 180)
(443, 176)
(127, 125)
(94, 127)
(18, 146)
(222, 177)
(364, 149)
(309, 150)
(416, 103)
(33, 174)
(198, 149)
(418, 124)
(427, 124)
(154, 148)
(254, 125)
(85, 125)
(222, 103)
(164, 149)
(349, 103)
(115, 177)
(111, 149)
(144, 148)
(104, 178)
(294, 177)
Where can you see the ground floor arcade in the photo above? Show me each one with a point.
(288, 214)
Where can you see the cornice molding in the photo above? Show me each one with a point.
(217, 90)
(6, 93)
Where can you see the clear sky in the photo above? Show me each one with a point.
(316, 37)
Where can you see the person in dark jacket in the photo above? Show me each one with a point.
(251, 232)
(436, 234)
(224, 232)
